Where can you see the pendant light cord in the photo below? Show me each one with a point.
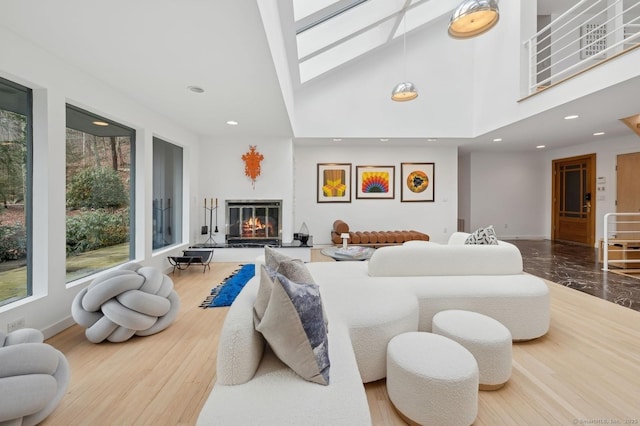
(404, 43)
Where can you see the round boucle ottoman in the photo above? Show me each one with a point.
(374, 316)
(432, 380)
(487, 339)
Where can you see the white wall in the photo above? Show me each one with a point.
(355, 101)
(438, 218)
(506, 192)
(222, 176)
(54, 83)
(464, 190)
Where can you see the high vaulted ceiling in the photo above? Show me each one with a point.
(152, 50)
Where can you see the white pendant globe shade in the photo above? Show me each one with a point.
(474, 17)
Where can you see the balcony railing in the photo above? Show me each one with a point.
(585, 35)
(620, 246)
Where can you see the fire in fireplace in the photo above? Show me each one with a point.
(254, 221)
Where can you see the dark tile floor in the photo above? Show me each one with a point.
(577, 267)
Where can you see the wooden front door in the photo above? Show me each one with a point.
(574, 199)
(628, 193)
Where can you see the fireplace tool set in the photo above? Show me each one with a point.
(209, 229)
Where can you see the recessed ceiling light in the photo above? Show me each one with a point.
(384, 140)
(337, 139)
(431, 140)
(196, 89)
(598, 134)
(497, 140)
(100, 123)
(540, 146)
(571, 117)
(232, 123)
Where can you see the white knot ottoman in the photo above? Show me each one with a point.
(432, 380)
(131, 300)
(487, 339)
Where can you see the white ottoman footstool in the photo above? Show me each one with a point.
(487, 339)
(432, 380)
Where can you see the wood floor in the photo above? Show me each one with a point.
(586, 370)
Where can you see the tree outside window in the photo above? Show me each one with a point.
(15, 181)
(99, 158)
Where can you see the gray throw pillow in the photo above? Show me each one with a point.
(278, 263)
(293, 325)
(273, 258)
(483, 236)
(264, 293)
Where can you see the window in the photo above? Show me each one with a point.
(167, 194)
(330, 33)
(99, 177)
(15, 191)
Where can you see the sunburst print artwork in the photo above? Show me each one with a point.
(377, 182)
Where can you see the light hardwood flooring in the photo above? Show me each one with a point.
(586, 370)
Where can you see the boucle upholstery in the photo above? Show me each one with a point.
(373, 238)
(131, 300)
(420, 258)
(356, 307)
(34, 377)
(396, 312)
(243, 345)
(275, 394)
(487, 339)
(520, 301)
(432, 380)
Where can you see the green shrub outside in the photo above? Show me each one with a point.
(13, 242)
(96, 188)
(96, 229)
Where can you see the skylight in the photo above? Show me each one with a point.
(330, 33)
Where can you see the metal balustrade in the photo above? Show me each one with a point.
(586, 34)
(621, 240)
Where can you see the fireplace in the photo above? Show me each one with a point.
(253, 222)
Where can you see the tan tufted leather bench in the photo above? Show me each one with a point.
(374, 238)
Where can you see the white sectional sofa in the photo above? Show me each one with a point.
(399, 289)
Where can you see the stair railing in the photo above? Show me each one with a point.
(622, 237)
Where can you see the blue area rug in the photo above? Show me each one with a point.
(227, 291)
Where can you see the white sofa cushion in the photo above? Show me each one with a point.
(278, 396)
(521, 301)
(445, 259)
(242, 345)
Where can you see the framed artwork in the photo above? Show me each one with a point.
(334, 183)
(418, 182)
(376, 182)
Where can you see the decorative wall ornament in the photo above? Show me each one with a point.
(252, 159)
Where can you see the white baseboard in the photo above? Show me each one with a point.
(58, 327)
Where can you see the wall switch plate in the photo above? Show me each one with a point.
(16, 325)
